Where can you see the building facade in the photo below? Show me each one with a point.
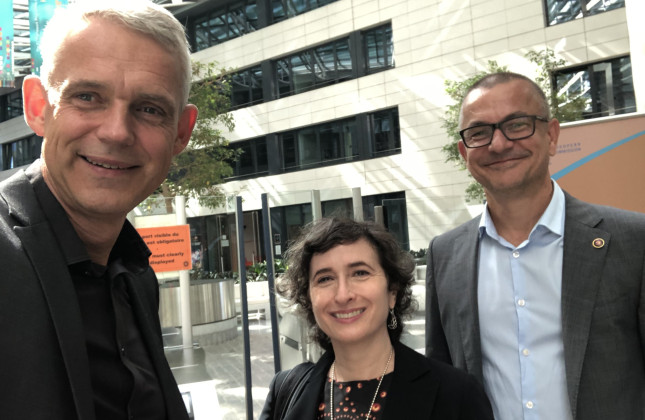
(337, 95)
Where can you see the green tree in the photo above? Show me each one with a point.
(198, 171)
(565, 107)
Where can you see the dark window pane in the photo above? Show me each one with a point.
(308, 149)
(302, 72)
(201, 35)
(574, 84)
(386, 132)
(246, 87)
(607, 87)
(350, 141)
(623, 86)
(245, 162)
(330, 142)
(332, 62)
(379, 48)
(261, 156)
(559, 11)
(289, 150)
(283, 76)
(599, 6)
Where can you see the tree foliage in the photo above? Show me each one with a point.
(206, 161)
(565, 107)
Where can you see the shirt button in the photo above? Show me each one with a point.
(525, 352)
(516, 254)
(521, 302)
(123, 350)
(529, 404)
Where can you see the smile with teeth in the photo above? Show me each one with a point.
(348, 314)
(102, 165)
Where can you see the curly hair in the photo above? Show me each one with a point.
(324, 234)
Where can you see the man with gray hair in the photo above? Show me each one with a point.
(81, 337)
(542, 297)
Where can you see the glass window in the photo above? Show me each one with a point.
(332, 63)
(317, 67)
(607, 87)
(337, 141)
(284, 9)
(308, 149)
(223, 24)
(253, 160)
(20, 152)
(246, 87)
(11, 105)
(559, 11)
(387, 139)
(379, 48)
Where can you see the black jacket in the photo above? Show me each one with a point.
(421, 388)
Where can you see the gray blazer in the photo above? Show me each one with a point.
(44, 368)
(603, 308)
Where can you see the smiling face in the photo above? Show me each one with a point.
(111, 121)
(504, 166)
(349, 294)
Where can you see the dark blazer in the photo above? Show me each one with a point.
(44, 372)
(603, 307)
(421, 388)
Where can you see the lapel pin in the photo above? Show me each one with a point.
(598, 243)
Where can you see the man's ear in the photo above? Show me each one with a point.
(185, 127)
(462, 150)
(34, 103)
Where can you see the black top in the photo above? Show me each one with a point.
(124, 381)
(352, 399)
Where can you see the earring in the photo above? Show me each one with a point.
(393, 323)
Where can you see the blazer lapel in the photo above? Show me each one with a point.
(404, 398)
(41, 247)
(585, 249)
(306, 404)
(464, 292)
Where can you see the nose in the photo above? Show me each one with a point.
(344, 291)
(499, 141)
(116, 125)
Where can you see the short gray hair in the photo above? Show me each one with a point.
(142, 16)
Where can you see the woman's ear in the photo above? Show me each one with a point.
(34, 104)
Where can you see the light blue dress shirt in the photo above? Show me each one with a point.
(520, 318)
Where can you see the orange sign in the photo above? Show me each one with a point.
(170, 247)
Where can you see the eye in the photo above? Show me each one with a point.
(86, 97)
(478, 133)
(152, 110)
(323, 279)
(361, 273)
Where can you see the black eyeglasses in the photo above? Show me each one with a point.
(515, 128)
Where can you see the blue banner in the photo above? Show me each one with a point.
(40, 11)
(6, 44)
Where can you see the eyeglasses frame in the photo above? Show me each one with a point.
(497, 126)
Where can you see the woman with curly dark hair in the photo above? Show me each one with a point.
(352, 282)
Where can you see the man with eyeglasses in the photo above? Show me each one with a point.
(542, 297)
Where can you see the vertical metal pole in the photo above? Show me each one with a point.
(268, 251)
(357, 202)
(378, 215)
(316, 208)
(184, 283)
(239, 222)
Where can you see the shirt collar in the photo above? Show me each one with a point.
(129, 248)
(552, 218)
